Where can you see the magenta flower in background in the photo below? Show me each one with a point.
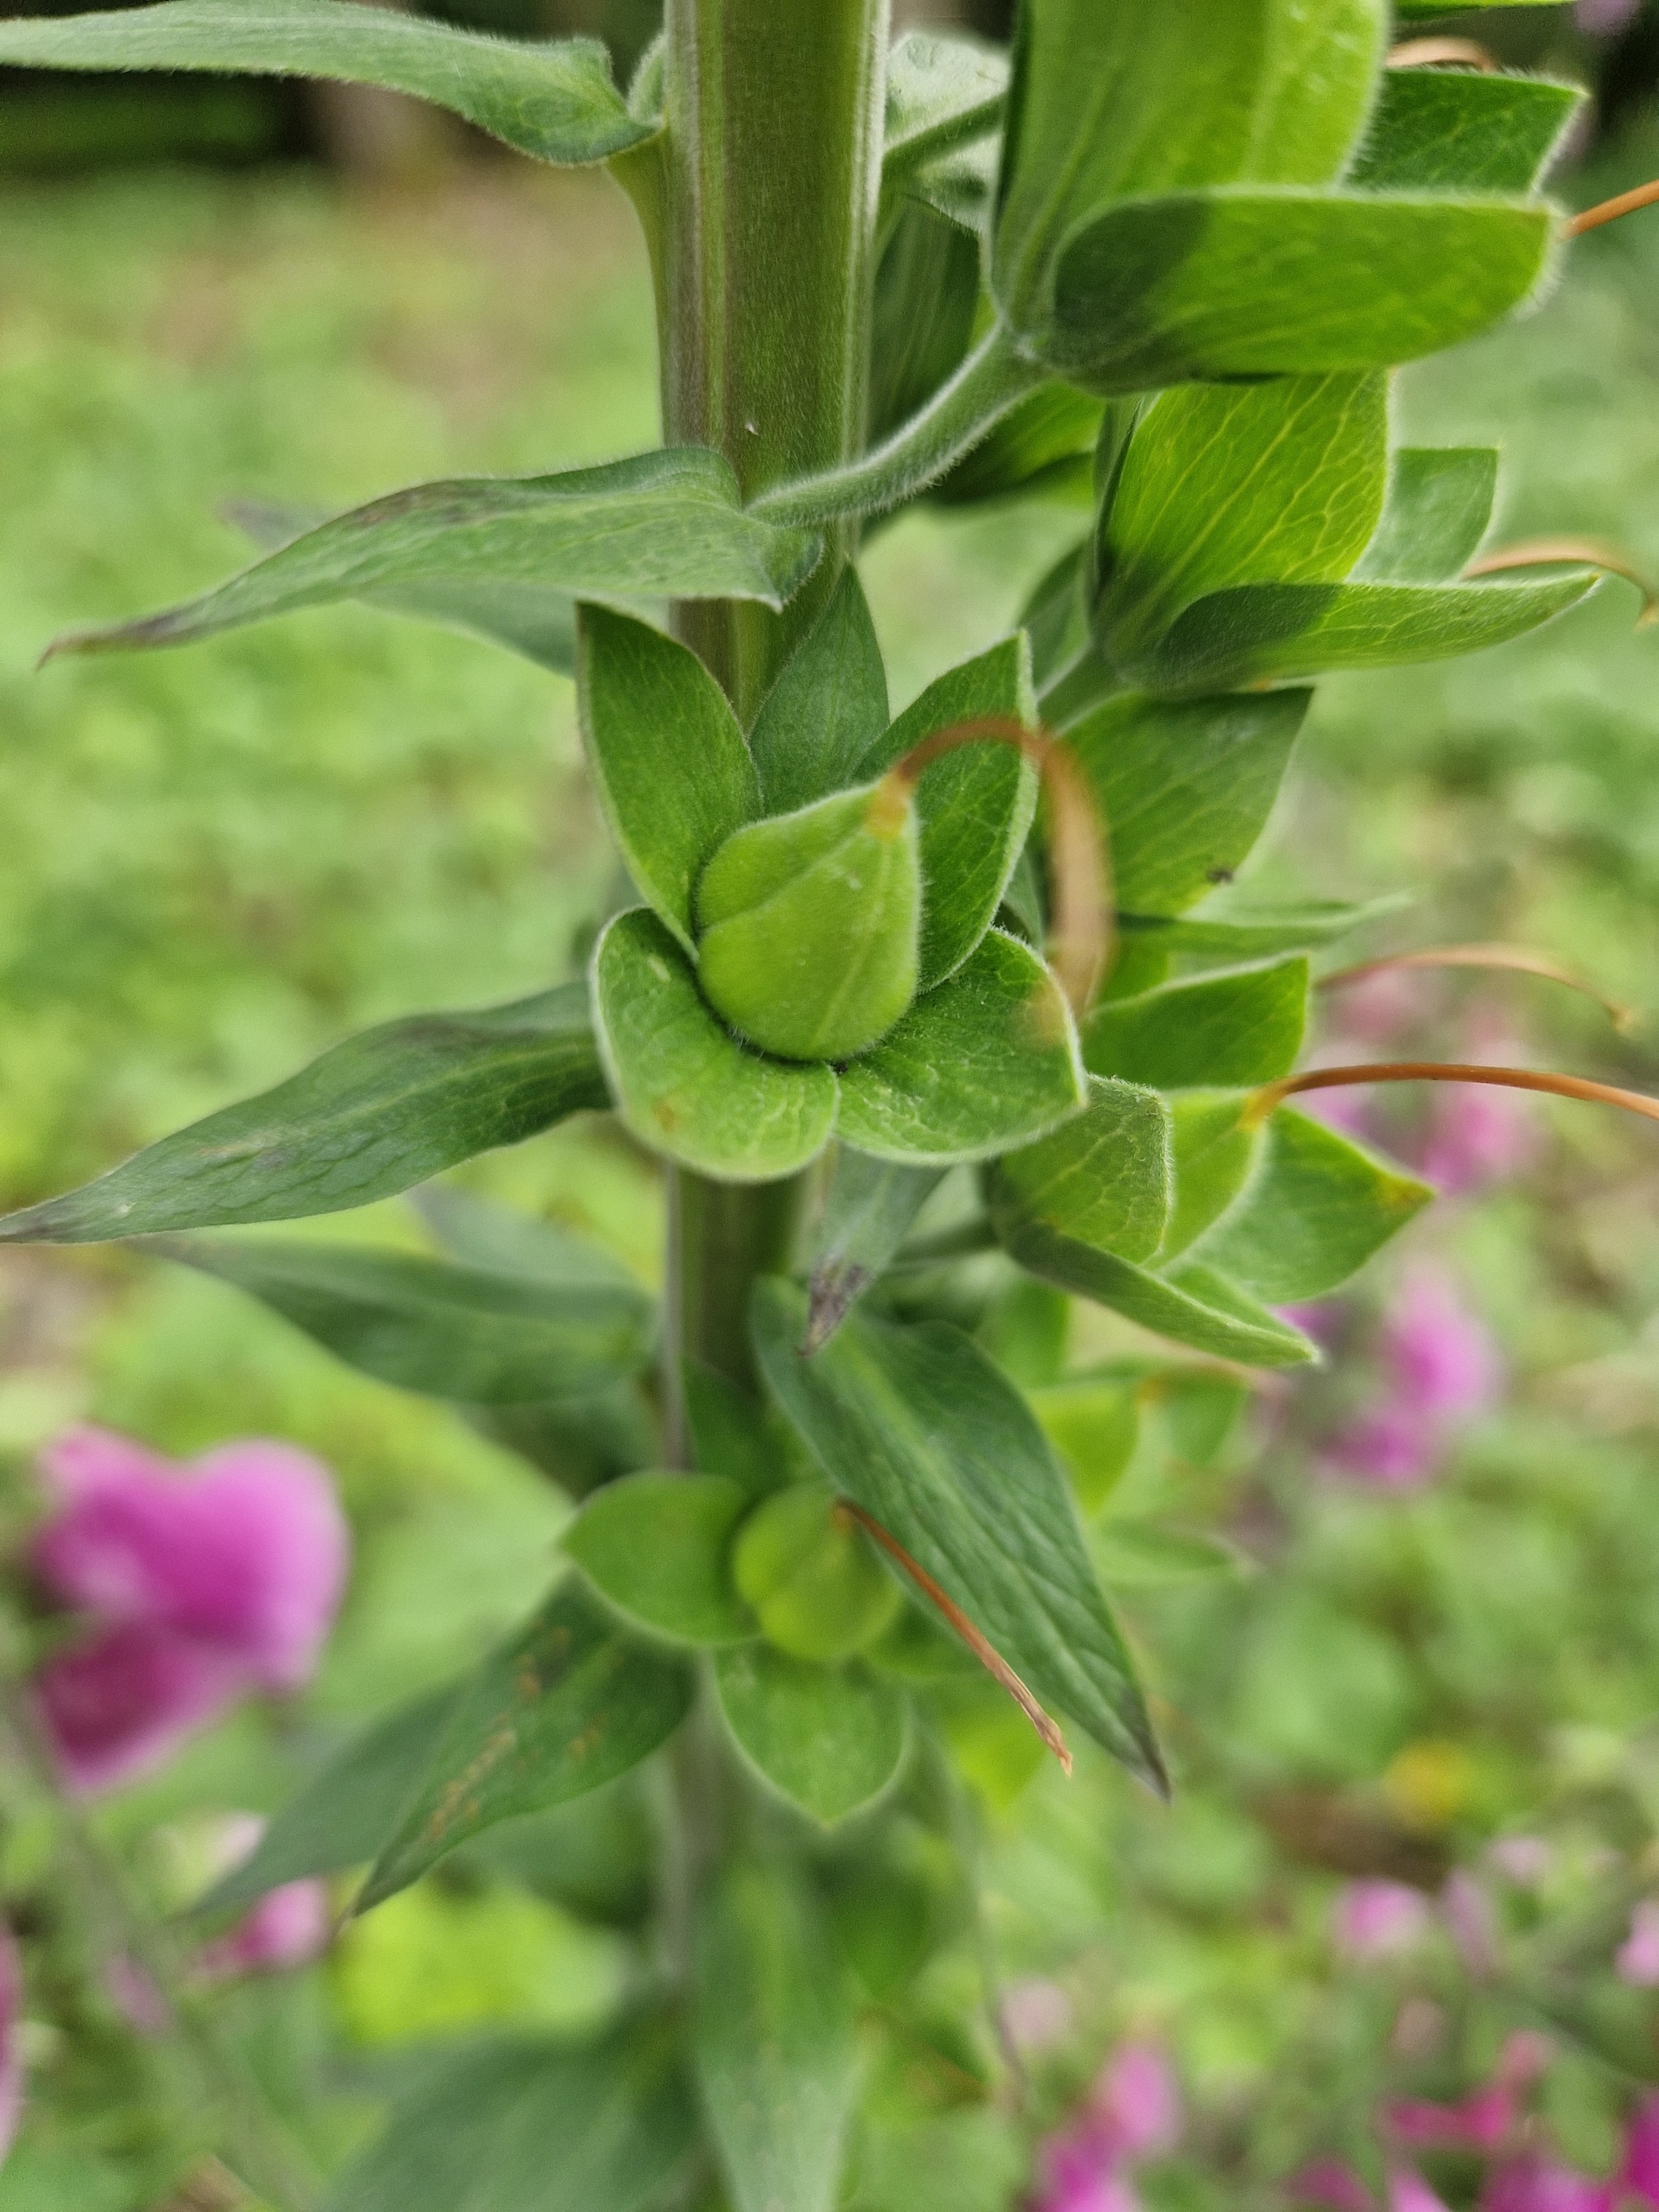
(1605, 18)
(11, 2058)
(1531, 2182)
(1037, 2015)
(1440, 1367)
(1478, 1135)
(203, 1583)
(1331, 2183)
(288, 1928)
(1638, 2172)
(1377, 1919)
(1638, 1960)
(1471, 1923)
(1132, 2113)
(1409, 2193)
(1525, 1861)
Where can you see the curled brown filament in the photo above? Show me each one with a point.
(1513, 959)
(1081, 932)
(1273, 1095)
(1610, 211)
(982, 1649)
(1441, 53)
(1590, 552)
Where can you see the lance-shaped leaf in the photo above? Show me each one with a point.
(1315, 1208)
(656, 1546)
(1185, 788)
(515, 2124)
(566, 1704)
(667, 524)
(774, 2038)
(1244, 934)
(733, 1434)
(482, 1337)
(940, 92)
(1105, 1178)
(1197, 1309)
(867, 1212)
(922, 322)
(685, 1086)
(1463, 130)
(672, 771)
(1239, 1027)
(829, 1738)
(1045, 447)
(1262, 632)
(554, 101)
(985, 1062)
(1209, 286)
(973, 806)
(1213, 1154)
(1439, 503)
(828, 707)
(919, 1429)
(374, 1115)
(348, 1808)
(524, 618)
(1279, 483)
(481, 1234)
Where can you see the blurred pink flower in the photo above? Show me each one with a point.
(1377, 1919)
(1391, 1446)
(1439, 1368)
(289, 1927)
(1378, 1007)
(1478, 1134)
(1524, 1860)
(1132, 2112)
(134, 1995)
(1076, 2179)
(1331, 2183)
(1605, 18)
(1531, 2182)
(1036, 2014)
(1638, 1961)
(1409, 2193)
(1483, 2121)
(204, 1583)
(1639, 2171)
(11, 2057)
(1471, 1923)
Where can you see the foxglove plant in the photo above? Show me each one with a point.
(865, 952)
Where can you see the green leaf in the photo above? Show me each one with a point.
(668, 758)
(1439, 503)
(919, 1429)
(686, 1087)
(1280, 482)
(985, 1062)
(344, 1813)
(567, 1703)
(656, 1547)
(554, 101)
(1104, 1177)
(579, 1442)
(485, 1338)
(374, 1115)
(922, 322)
(1242, 1026)
(1196, 1310)
(1110, 103)
(668, 523)
(1208, 286)
(975, 806)
(1045, 446)
(1262, 632)
(941, 92)
(1141, 1555)
(524, 618)
(1463, 130)
(867, 1212)
(1213, 1155)
(1093, 1422)
(828, 707)
(481, 1234)
(1246, 933)
(1185, 790)
(1316, 1209)
(511, 2124)
(774, 2038)
(829, 1738)
(732, 1434)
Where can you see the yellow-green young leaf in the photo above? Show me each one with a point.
(1043, 448)
(1185, 788)
(1279, 483)
(1439, 503)
(1315, 1209)
(554, 100)
(515, 2124)
(923, 320)
(669, 524)
(1193, 1308)
(867, 1212)
(1093, 1424)
(808, 925)
(973, 806)
(1213, 1154)
(1104, 1178)
(774, 2038)
(374, 1115)
(566, 1704)
(1240, 1026)
(668, 758)
(811, 1578)
(485, 1337)
(829, 1738)
(940, 92)
(828, 707)
(917, 1426)
(985, 1062)
(1236, 283)
(1262, 632)
(658, 1546)
(1136, 1554)
(683, 1084)
(351, 1805)
(1463, 130)
(733, 1435)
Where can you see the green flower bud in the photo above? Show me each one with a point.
(809, 1575)
(811, 924)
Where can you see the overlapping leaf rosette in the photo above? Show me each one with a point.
(1161, 271)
